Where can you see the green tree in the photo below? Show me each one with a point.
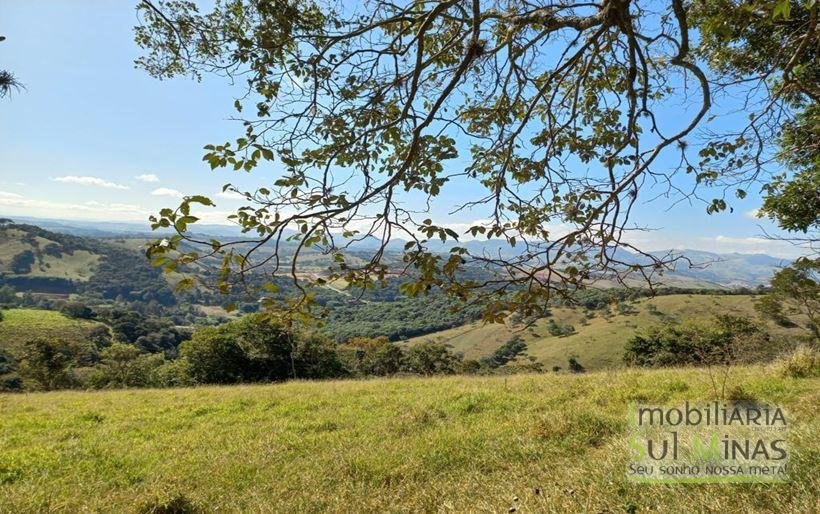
(507, 352)
(553, 112)
(363, 356)
(432, 358)
(315, 356)
(574, 365)
(47, 364)
(250, 349)
(7, 295)
(794, 299)
(725, 340)
(22, 262)
(77, 310)
(9, 379)
(124, 365)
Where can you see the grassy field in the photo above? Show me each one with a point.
(20, 325)
(536, 443)
(80, 265)
(599, 341)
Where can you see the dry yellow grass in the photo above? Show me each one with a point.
(598, 342)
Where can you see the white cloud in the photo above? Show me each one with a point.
(89, 181)
(230, 195)
(165, 191)
(147, 177)
(660, 240)
(753, 214)
(13, 203)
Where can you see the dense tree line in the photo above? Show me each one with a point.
(253, 348)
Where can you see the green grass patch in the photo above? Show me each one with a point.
(537, 443)
(21, 325)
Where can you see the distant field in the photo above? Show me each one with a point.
(599, 341)
(539, 443)
(20, 325)
(78, 265)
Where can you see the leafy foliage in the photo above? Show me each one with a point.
(552, 111)
(794, 298)
(22, 262)
(727, 340)
(47, 364)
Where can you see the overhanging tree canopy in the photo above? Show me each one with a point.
(554, 115)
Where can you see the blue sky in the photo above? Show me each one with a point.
(93, 138)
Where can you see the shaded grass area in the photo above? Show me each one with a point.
(538, 443)
(21, 325)
(599, 340)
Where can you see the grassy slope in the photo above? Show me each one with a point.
(442, 444)
(600, 343)
(79, 265)
(20, 325)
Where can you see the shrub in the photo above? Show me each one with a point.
(363, 356)
(802, 363)
(47, 364)
(124, 365)
(727, 339)
(22, 262)
(514, 347)
(560, 329)
(9, 379)
(76, 310)
(256, 349)
(575, 366)
(431, 358)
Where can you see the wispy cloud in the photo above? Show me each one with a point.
(89, 181)
(753, 214)
(19, 204)
(166, 191)
(12, 204)
(147, 177)
(230, 195)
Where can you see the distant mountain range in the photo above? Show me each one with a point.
(707, 269)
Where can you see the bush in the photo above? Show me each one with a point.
(124, 365)
(22, 262)
(431, 358)
(560, 329)
(76, 310)
(9, 379)
(575, 366)
(514, 347)
(47, 364)
(315, 356)
(256, 349)
(727, 339)
(172, 373)
(362, 356)
(802, 363)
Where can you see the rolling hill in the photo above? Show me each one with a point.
(21, 325)
(599, 338)
(32, 253)
(707, 269)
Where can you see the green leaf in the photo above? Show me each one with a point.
(204, 200)
(782, 8)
